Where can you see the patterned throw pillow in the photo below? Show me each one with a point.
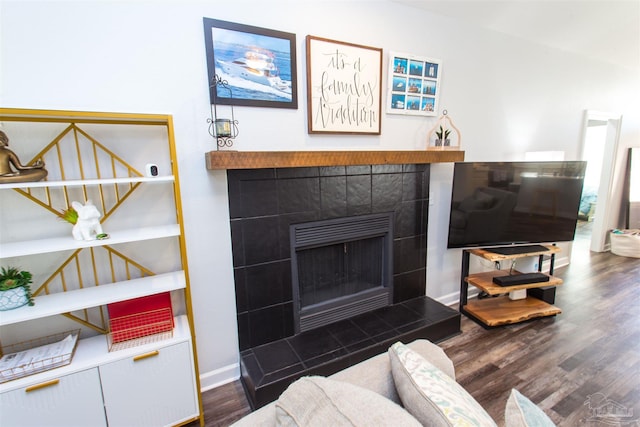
(430, 395)
(521, 412)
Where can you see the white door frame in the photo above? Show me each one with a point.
(606, 218)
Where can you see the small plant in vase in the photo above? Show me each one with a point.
(14, 288)
(442, 136)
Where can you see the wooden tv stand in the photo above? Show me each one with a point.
(501, 310)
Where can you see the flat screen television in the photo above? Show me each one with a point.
(512, 203)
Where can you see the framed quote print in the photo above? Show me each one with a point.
(414, 85)
(343, 87)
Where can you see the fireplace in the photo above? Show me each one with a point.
(265, 203)
(340, 268)
(266, 206)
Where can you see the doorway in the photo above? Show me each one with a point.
(599, 146)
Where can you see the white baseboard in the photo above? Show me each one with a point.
(559, 262)
(450, 299)
(453, 299)
(221, 376)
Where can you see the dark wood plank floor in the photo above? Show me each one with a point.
(591, 349)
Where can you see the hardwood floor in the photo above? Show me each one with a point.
(591, 349)
(224, 405)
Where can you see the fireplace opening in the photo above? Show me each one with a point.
(340, 268)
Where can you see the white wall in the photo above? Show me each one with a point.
(506, 96)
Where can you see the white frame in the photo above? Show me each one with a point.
(413, 86)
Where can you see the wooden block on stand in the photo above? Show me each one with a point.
(546, 294)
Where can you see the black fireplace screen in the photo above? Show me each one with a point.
(340, 268)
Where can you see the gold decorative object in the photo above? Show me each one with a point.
(10, 161)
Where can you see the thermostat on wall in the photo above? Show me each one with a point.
(152, 169)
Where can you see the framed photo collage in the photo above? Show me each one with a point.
(414, 85)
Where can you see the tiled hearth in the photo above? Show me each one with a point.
(268, 369)
(263, 203)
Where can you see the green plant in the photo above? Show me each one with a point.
(440, 132)
(11, 278)
(70, 215)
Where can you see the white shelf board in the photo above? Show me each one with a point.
(65, 302)
(94, 351)
(56, 244)
(80, 182)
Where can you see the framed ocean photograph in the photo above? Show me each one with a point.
(413, 84)
(257, 64)
(344, 87)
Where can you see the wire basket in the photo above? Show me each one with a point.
(38, 355)
(135, 342)
(140, 328)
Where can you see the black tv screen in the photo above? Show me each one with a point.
(507, 203)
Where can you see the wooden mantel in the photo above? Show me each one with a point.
(292, 159)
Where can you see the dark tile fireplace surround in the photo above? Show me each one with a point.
(263, 203)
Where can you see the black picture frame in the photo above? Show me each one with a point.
(258, 65)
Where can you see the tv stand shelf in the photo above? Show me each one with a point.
(484, 282)
(502, 310)
(493, 256)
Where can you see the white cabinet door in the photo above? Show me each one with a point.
(71, 400)
(151, 389)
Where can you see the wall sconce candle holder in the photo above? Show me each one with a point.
(224, 130)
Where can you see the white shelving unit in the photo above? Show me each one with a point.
(117, 188)
(94, 351)
(81, 182)
(66, 302)
(57, 244)
(62, 397)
